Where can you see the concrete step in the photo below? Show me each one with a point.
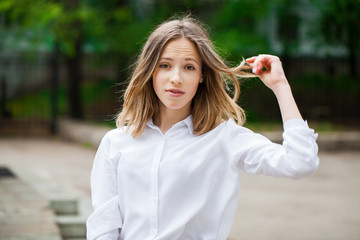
(72, 227)
(24, 213)
(64, 206)
(74, 238)
(70, 206)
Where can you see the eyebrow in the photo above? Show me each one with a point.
(186, 59)
(191, 59)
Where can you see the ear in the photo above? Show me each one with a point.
(201, 79)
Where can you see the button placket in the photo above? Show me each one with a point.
(155, 186)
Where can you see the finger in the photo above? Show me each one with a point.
(251, 59)
(268, 60)
(258, 65)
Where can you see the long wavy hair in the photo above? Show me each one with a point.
(211, 104)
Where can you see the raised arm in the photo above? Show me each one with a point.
(274, 78)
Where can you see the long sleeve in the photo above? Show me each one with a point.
(295, 158)
(105, 222)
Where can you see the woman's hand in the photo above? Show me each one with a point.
(269, 70)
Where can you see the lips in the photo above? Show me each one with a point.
(175, 92)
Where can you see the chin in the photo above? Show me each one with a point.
(174, 106)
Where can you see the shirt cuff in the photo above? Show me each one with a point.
(104, 223)
(298, 123)
(113, 235)
(295, 123)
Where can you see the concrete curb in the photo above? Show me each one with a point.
(24, 213)
(70, 209)
(92, 134)
(81, 132)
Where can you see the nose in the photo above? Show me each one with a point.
(176, 77)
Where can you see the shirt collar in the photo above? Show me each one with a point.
(186, 122)
(189, 123)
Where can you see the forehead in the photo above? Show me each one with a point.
(181, 47)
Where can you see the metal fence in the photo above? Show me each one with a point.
(21, 75)
(27, 99)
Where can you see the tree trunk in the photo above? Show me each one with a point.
(54, 87)
(74, 80)
(352, 55)
(73, 63)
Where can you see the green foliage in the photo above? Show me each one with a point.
(96, 91)
(339, 22)
(237, 30)
(119, 28)
(66, 22)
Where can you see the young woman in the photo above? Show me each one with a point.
(170, 170)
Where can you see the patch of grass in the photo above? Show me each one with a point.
(87, 145)
(38, 104)
(110, 123)
(326, 127)
(264, 126)
(321, 127)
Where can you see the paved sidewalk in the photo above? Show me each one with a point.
(24, 213)
(323, 206)
(51, 170)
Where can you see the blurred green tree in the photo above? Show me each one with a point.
(339, 24)
(239, 27)
(288, 29)
(60, 25)
(118, 28)
(69, 25)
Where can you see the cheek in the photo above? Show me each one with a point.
(155, 82)
(194, 89)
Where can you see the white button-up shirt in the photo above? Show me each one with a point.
(182, 186)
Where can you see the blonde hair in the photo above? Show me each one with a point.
(211, 104)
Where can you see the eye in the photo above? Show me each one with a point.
(189, 67)
(164, 65)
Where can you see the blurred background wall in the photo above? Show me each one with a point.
(72, 58)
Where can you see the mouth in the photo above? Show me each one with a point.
(175, 92)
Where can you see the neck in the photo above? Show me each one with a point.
(166, 118)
